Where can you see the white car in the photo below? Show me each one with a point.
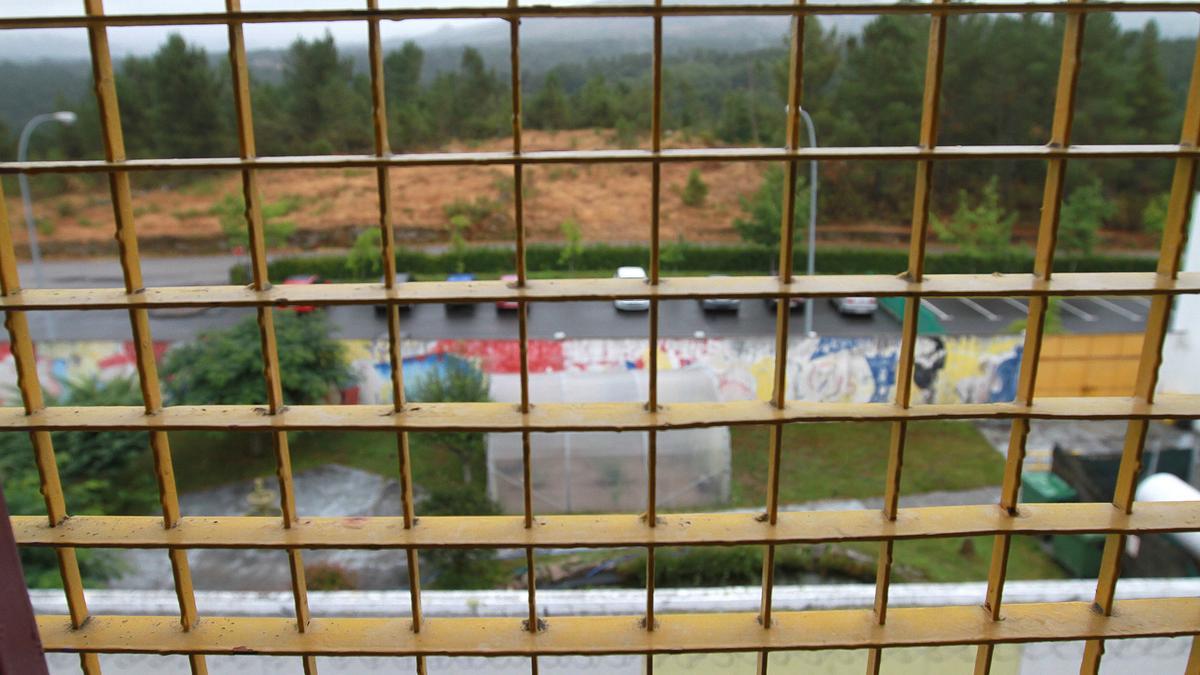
(861, 306)
(630, 305)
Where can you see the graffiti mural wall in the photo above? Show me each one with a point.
(947, 369)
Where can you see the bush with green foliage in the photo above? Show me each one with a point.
(329, 577)
(982, 229)
(573, 248)
(695, 191)
(1154, 216)
(365, 259)
(102, 472)
(1082, 215)
(764, 210)
(226, 367)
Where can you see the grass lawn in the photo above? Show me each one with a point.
(848, 460)
(204, 460)
(947, 561)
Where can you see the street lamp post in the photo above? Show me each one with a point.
(812, 221)
(35, 251)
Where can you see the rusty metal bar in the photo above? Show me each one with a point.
(32, 400)
(569, 290)
(604, 531)
(1175, 232)
(787, 239)
(266, 320)
(591, 11)
(1043, 264)
(139, 318)
(388, 253)
(628, 156)
(922, 191)
(656, 103)
(631, 416)
(728, 632)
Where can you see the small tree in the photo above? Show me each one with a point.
(461, 382)
(573, 249)
(764, 210)
(458, 244)
(226, 366)
(981, 229)
(1082, 215)
(102, 472)
(695, 190)
(1154, 216)
(365, 259)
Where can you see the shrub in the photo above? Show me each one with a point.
(329, 577)
(981, 229)
(695, 190)
(1081, 217)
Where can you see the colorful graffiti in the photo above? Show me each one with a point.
(946, 369)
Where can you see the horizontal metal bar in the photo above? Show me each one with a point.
(581, 11)
(726, 632)
(877, 153)
(631, 416)
(603, 531)
(563, 290)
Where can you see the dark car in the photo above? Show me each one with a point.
(401, 279)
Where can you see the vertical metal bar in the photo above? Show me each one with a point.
(139, 319)
(1175, 231)
(922, 190)
(266, 318)
(388, 252)
(787, 238)
(20, 645)
(532, 624)
(655, 273)
(1043, 265)
(25, 361)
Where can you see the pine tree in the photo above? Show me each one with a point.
(549, 110)
(186, 119)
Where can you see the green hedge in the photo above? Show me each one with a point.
(742, 259)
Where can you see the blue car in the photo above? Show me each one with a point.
(459, 276)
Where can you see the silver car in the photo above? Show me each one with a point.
(720, 304)
(631, 305)
(860, 306)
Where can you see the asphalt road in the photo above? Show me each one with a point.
(682, 318)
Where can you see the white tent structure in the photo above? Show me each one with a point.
(606, 471)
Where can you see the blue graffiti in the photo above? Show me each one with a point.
(883, 371)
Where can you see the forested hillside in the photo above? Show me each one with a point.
(863, 89)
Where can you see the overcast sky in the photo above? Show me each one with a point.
(64, 43)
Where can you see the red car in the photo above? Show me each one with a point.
(510, 279)
(301, 280)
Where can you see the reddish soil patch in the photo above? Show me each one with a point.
(610, 202)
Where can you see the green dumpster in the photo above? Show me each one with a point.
(927, 323)
(1079, 553)
(1044, 487)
